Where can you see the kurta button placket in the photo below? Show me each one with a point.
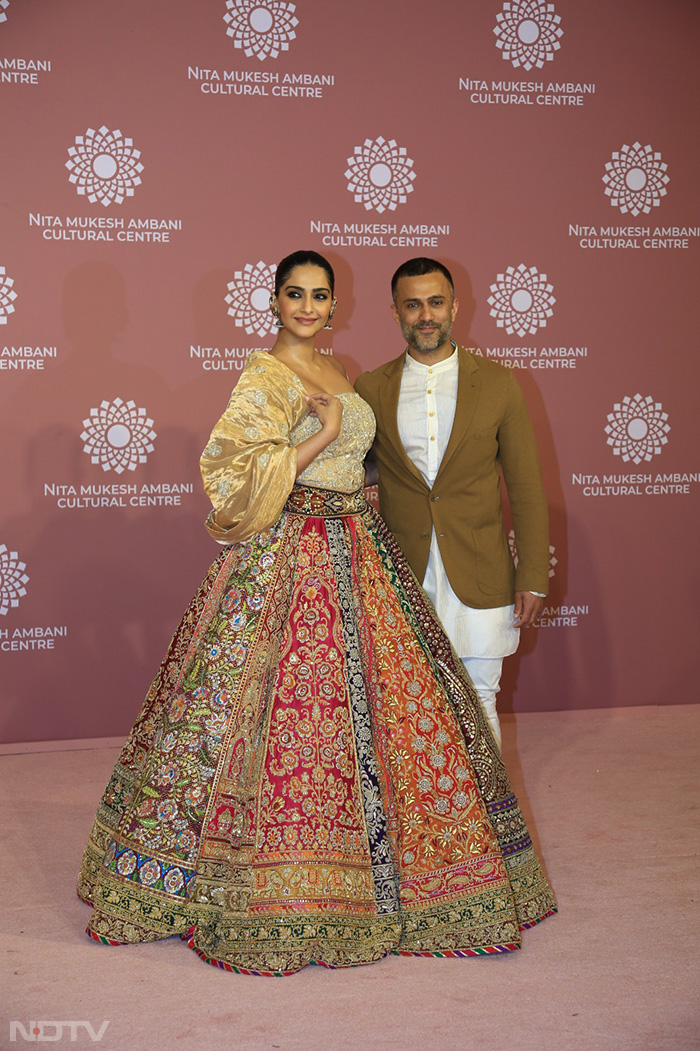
(431, 421)
(427, 400)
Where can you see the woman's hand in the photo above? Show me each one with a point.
(328, 410)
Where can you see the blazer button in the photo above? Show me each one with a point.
(434, 498)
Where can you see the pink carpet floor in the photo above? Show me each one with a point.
(612, 800)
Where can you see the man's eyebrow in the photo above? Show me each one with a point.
(419, 299)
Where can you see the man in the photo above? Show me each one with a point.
(448, 424)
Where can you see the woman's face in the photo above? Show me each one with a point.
(305, 301)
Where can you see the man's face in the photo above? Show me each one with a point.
(425, 308)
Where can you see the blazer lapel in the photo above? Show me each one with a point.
(468, 387)
(389, 397)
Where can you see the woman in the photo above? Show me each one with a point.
(311, 778)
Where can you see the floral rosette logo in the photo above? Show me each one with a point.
(12, 580)
(248, 298)
(261, 28)
(7, 296)
(637, 428)
(528, 33)
(553, 560)
(104, 166)
(635, 179)
(380, 174)
(4, 4)
(521, 300)
(118, 436)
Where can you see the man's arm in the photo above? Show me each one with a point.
(521, 471)
(528, 607)
(371, 471)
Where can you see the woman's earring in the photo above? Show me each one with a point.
(276, 314)
(332, 312)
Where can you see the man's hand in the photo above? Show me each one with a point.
(527, 609)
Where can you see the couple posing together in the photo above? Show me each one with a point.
(315, 775)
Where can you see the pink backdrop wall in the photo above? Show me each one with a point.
(547, 152)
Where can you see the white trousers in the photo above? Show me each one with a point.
(485, 673)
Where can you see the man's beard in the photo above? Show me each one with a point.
(427, 341)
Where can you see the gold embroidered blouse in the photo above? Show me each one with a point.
(249, 464)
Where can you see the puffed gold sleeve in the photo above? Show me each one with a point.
(248, 466)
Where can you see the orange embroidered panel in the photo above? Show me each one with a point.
(447, 842)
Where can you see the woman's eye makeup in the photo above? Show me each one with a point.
(294, 293)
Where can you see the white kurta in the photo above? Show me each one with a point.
(426, 413)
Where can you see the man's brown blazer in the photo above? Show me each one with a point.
(491, 434)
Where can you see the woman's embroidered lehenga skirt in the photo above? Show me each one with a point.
(311, 778)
